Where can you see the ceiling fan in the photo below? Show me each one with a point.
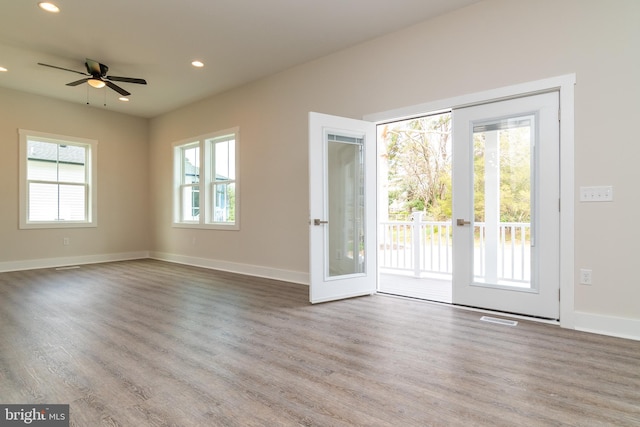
(98, 78)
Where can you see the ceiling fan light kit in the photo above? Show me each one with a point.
(98, 78)
(97, 83)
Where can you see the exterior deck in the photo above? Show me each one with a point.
(415, 257)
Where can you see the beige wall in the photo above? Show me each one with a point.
(122, 181)
(489, 45)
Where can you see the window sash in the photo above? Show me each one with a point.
(193, 158)
(62, 202)
(223, 203)
(223, 158)
(189, 206)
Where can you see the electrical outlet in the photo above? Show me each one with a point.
(66, 241)
(585, 276)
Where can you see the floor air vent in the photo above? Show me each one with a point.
(71, 267)
(499, 321)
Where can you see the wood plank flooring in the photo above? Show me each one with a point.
(149, 343)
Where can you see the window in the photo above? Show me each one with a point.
(57, 181)
(206, 181)
(190, 182)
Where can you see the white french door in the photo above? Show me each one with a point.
(342, 207)
(506, 243)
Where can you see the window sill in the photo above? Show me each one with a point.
(54, 225)
(227, 227)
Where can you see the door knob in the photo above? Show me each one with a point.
(316, 221)
(461, 222)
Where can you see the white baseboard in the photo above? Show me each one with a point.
(234, 267)
(32, 264)
(607, 325)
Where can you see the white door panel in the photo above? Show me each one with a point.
(506, 240)
(342, 187)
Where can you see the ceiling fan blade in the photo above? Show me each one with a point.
(78, 82)
(61, 68)
(117, 88)
(127, 80)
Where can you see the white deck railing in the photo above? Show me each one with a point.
(426, 247)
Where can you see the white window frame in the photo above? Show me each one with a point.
(90, 183)
(207, 182)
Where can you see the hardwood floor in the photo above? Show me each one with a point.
(149, 343)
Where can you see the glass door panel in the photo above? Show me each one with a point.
(345, 251)
(502, 183)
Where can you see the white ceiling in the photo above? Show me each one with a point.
(238, 40)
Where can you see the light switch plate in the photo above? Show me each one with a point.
(602, 193)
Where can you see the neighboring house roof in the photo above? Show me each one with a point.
(51, 152)
(190, 169)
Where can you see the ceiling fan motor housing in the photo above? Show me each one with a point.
(95, 68)
(103, 70)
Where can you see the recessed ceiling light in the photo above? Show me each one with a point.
(3, 69)
(198, 64)
(49, 7)
(124, 99)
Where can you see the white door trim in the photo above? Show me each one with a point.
(565, 84)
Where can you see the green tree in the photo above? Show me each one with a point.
(419, 160)
(515, 175)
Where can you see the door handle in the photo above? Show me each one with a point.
(461, 222)
(318, 222)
